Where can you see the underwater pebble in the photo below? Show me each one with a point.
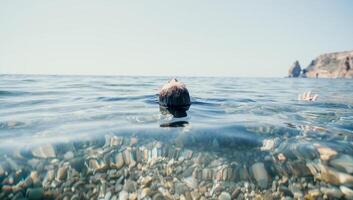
(44, 151)
(158, 196)
(62, 173)
(133, 196)
(180, 188)
(348, 193)
(207, 174)
(343, 162)
(145, 192)
(224, 196)
(146, 181)
(235, 193)
(260, 174)
(195, 195)
(97, 165)
(123, 195)
(133, 141)
(119, 161)
(75, 197)
(331, 192)
(313, 194)
(35, 193)
(113, 141)
(281, 157)
(68, 155)
(325, 152)
(129, 186)
(50, 175)
(191, 182)
(268, 144)
(118, 187)
(329, 174)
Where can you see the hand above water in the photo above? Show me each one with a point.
(307, 96)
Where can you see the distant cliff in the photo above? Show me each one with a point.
(330, 65)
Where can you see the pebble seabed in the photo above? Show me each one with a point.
(129, 167)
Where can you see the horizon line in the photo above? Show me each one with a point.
(136, 75)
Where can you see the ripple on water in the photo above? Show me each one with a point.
(4, 93)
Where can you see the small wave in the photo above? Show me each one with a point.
(332, 105)
(151, 100)
(111, 85)
(205, 102)
(29, 80)
(110, 98)
(11, 125)
(77, 85)
(220, 101)
(126, 98)
(12, 93)
(245, 100)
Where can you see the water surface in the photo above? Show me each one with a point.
(35, 108)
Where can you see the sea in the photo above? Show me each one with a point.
(242, 137)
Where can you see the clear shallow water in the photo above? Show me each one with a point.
(240, 130)
(52, 108)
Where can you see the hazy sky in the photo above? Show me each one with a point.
(162, 37)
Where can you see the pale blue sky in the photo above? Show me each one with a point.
(259, 38)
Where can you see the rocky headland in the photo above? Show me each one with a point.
(330, 65)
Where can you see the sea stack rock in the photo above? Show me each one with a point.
(174, 97)
(294, 70)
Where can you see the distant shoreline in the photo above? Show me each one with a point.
(328, 65)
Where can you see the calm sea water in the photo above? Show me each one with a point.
(89, 137)
(36, 109)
